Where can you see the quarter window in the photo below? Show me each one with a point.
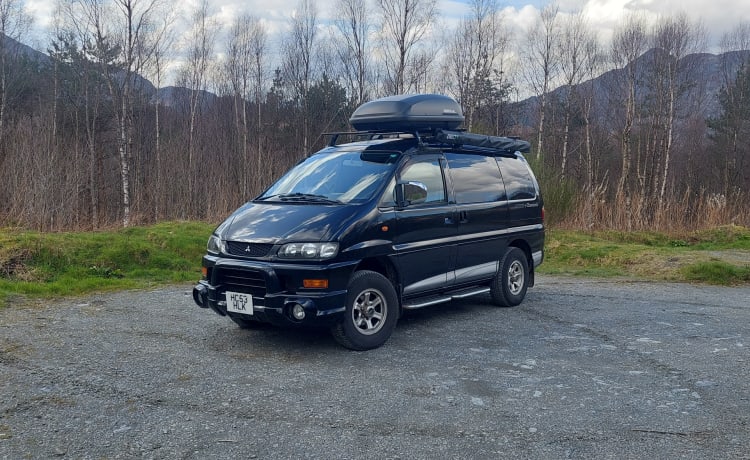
(518, 181)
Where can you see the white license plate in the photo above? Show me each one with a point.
(238, 302)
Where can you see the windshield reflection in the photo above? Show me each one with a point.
(342, 176)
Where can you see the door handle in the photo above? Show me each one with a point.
(449, 221)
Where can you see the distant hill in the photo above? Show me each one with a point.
(17, 48)
(704, 76)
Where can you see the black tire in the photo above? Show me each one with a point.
(371, 312)
(509, 286)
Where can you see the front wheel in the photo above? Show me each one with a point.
(371, 312)
(509, 286)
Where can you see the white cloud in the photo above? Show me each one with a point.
(718, 16)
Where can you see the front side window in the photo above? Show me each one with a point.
(430, 174)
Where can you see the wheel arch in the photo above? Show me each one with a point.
(524, 246)
(386, 268)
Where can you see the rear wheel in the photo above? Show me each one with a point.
(371, 312)
(509, 286)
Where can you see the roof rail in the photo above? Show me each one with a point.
(369, 135)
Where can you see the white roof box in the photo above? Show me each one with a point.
(412, 112)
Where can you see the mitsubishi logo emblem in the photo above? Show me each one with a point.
(247, 249)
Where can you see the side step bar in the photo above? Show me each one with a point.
(434, 300)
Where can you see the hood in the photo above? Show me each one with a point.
(284, 222)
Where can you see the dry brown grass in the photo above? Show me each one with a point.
(677, 215)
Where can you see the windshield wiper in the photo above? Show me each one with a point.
(307, 197)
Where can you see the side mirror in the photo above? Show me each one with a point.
(412, 192)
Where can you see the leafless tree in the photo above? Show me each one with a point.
(404, 24)
(245, 65)
(575, 49)
(163, 41)
(299, 60)
(476, 56)
(673, 39)
(194, 76)
(355, 28)
(628, 43)
(593, 62)
(542, 62)
(14, 23)
(736, 40)
(122, 47)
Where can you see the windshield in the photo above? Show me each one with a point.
(336, 177)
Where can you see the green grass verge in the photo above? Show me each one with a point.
(717, 256)
(44, 265)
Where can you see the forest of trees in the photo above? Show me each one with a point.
(627, 134)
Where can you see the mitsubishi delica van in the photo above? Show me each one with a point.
(411, 212)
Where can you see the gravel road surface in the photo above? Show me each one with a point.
(582, 369)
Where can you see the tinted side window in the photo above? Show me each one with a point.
(430, 174)
(476, 178)
(518, 182)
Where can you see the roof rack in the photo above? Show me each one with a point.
(369, 135)
(436, 138)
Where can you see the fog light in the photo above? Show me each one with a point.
(298, 312)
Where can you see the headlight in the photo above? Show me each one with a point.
(215, 245)
(309, 250)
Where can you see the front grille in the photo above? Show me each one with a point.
(240, 280)
(238, 248)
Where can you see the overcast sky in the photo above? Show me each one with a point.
(718, 16)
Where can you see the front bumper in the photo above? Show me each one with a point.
(276, 290)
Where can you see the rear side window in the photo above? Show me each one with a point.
(518, 181)
(476, 178)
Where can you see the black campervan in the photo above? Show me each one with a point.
(413, 212)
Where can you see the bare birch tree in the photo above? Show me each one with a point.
(194, 76)
(628, 43)
(122, 46)
(355, 29)
(542, 62)
(476, 56)
(245, 65)
(164, 38)
(574, 48)
(673, 39)
(593, 61)
(404, 24)
(299, 60)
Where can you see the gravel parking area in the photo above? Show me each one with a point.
(582, 369)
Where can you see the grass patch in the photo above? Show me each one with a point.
(716, 256)
(61, 264)
(717, 272)
(44, 265)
